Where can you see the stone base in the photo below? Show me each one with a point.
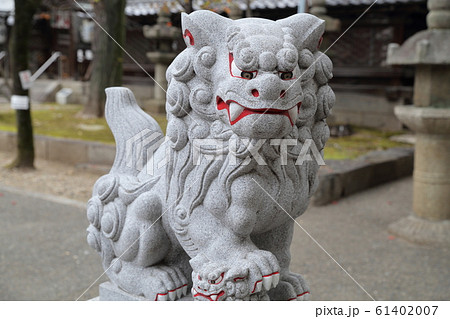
(422, 231)
(109, 292)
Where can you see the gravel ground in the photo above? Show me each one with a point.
(50, 178)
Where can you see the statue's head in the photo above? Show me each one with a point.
(249, 74)
(214, 282)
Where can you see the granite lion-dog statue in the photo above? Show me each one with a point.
(187, 214)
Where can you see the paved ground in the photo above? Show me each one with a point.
(44, 255)
(51, 178)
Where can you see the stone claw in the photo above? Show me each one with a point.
(267, 282)
(173, 294)
(276, 279)
(162, 297)
(179, 292)
(271, 281)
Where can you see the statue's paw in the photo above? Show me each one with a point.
(264, 270)
(167, 283)
(291, 287)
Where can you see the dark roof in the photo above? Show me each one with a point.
(333, 3)
(144, 7)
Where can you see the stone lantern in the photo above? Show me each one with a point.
(164, 35)
(429, 118)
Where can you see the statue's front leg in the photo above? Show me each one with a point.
(225, 251)
(292, 286)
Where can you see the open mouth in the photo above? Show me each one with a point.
(212, 297)
(237, 111)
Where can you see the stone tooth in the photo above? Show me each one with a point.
(258, 286)
(235, 111)
(276, 280)
(293, 114)
(172, 295)
(267, 282)
(214, 297)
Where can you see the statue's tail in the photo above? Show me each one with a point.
(134, 130)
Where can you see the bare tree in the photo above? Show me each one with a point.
(21, 31)
(108, 56)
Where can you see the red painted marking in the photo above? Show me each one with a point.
(177, 288)
(230, 61)
(275, 273)
(188, 34)
(221, 105)
(254, 288)
(282, 94)
(220, 294)
(220, 277)
(255, 93)
(239, 278)
(305, 293)
(320, 42)
(156, 298)
(295, 298)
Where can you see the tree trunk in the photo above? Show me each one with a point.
(187, 5)
(108, 56)
(24, 11)
(248, 11)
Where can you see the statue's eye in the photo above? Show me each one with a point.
(217, 280)
(286, 75)
(247, 75)
(238, 73)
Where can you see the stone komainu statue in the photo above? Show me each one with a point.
(216, 220)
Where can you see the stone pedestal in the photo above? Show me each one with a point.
(110, 292)
(430, 223)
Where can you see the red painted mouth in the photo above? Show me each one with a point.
(212, 297)
(237, 111)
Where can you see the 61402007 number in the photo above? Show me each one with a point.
(406, 310)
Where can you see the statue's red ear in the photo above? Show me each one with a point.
(306, 29)
(202, 28)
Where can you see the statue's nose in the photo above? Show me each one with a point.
(267, 87)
